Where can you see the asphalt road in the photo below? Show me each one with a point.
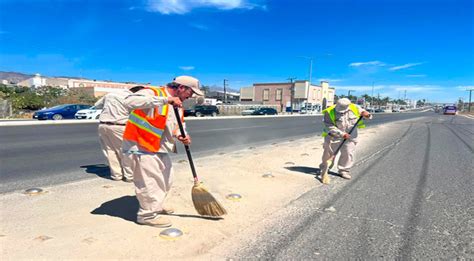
(410, 198)
(44, 155)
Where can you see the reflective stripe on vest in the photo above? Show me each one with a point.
(145, 131)
(331, 111)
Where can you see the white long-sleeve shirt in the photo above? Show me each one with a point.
(147, 101)
(344, 122)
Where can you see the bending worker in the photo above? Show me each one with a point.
(149, 137)
(337, 122)
(112, 120)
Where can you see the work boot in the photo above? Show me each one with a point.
(345, 175)
(154, 220)
(166, 211)
(114, 178)
(128, 180)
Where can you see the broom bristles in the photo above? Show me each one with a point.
(204, 203)
(324, 172)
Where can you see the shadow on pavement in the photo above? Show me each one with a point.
(101, 170)
(311, 171)
(125, 207)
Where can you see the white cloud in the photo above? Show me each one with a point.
(330, 80)
(371, 63)
(408, 65)
(359, 88)
(465, 87)
(416, 75)
(391, 88)
(199, 26)
(416, 88)
(186, 6)
(186, 68)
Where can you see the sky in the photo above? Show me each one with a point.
(418, 49)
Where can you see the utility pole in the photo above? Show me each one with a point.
(469, 105)
(372, 96)
(225, 93)
(378, 99)
(292, 92)
(349, 94)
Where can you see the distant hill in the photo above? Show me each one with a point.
(14, 77)
(220, 88)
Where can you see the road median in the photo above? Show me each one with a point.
(95, 219)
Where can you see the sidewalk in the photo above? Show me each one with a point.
(95, 219)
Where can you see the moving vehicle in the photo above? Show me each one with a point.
(59, 112)
(202, 110)
(89, 114)
(450, 110)
(265, 111)
(248, 111)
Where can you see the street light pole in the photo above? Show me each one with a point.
(310, 75)
(225, 94)
(292, 92)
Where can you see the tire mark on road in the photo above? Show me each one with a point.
(414, 217)
(283, 243)
(459, 137)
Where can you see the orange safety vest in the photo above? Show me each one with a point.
(146, 131)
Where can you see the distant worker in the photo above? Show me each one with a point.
(149, 138)
(112, 123)
(337, 122)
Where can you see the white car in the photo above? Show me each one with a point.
(248, 111)
(89, 114)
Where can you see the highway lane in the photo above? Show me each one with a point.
(43, 155)
(410, 198)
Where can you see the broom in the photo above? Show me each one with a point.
(204, 203)
(330, 162)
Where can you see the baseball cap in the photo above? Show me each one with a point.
(190, 82)
(342, 104)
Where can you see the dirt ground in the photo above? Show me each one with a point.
(95, 218)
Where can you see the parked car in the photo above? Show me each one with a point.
(395, 110)
(248, 111)
(59, 112)
(379, 110)
(265, 111)
(201, 110)
(450, 110)
(91, 113)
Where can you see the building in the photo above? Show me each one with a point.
(33, 82)
(95, 88)
(288, 96)
(100, 88)
(219, 95)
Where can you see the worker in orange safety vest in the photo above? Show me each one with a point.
(150, 135)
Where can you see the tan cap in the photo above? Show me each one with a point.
(190, 82)
(342, 104)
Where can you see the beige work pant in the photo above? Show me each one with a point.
(153, 177)
(111, 137)
(346, 153)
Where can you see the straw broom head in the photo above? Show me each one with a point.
(204, 203)
(324, 172)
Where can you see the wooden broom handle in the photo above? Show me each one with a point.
(186, 147)
(344, 140)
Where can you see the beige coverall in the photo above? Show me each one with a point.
(113, 118)
(344, 121)
(152, 172)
